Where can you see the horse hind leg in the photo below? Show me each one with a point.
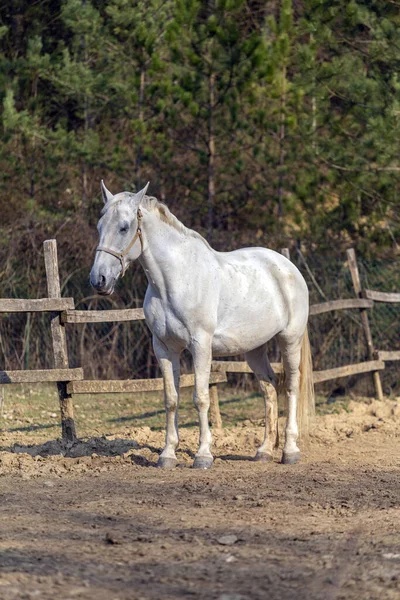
(258, 361)
(291, 355)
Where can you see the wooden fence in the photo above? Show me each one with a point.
(363, 300)
(71, 381)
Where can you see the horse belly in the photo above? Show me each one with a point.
(251, 309)
(244, 332)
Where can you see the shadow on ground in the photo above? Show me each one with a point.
(96, 445)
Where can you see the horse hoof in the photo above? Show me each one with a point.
(290, 458)
(166, 462)
(263, 457)
(203, 462)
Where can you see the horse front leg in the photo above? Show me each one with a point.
(202, 354)
(170, 368)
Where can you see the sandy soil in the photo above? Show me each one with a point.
(96, 520)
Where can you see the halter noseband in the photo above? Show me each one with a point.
(121, 255)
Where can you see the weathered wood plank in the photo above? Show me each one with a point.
(219, 366)
(365, 367)
(355, 276)
(323, 307)
(236, 366)
(54, 291)
(381, 296)
(132, 385)
(230, 366)
(102, 316)
(17, 305)
(215, 414)
(41, 375)
(389, 355)
(1, 401)
(59, 340)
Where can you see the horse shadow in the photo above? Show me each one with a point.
(93, 447)
(102, 447)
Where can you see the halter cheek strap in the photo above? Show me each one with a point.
(121, 255)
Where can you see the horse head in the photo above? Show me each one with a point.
(120, 238)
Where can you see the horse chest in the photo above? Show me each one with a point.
(165, 323)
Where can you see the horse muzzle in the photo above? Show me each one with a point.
(102, 286)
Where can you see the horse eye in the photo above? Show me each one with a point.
(124, 229)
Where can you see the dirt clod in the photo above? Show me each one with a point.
(227, 540)
(111, 538)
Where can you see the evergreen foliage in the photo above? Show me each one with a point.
(267, 123)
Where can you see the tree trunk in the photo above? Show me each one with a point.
(141, 119)
(211, 156)
(281, 144)
(314, 108)
(86, 119)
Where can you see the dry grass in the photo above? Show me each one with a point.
(33, 410)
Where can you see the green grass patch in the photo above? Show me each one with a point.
(34, 410)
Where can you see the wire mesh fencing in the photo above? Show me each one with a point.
(124, 350)
(338, 338)
(384, 317)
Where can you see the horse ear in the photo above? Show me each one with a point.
(142, 192)
(107, 195)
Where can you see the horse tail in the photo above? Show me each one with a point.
(306, 399)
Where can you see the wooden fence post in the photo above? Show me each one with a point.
(1, 401)
(215, 415)
(355, 276)
(59, 340)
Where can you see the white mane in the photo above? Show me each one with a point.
(153, 205)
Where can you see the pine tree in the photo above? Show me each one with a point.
(215, 58)
(356, 72)
(137, 49)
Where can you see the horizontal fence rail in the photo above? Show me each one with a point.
(345, 371)
(389, 355)
(318, 309)
(40, 375)
(11, 305)
(238, 366)
(118, 386)
(381, 296)
(102, 316)
(220, 366)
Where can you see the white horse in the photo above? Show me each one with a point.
(214, 304)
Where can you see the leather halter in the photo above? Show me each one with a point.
(121, 255)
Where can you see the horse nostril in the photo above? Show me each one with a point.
(102, 281)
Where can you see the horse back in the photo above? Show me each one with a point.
(261, 294)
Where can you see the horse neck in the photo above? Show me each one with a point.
(162, 258)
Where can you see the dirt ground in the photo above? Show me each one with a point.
(96, 520)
